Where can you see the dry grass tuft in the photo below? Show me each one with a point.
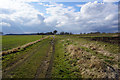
(91, 66)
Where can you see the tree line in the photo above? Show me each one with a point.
(55, 33)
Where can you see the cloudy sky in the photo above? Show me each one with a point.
(29, 16)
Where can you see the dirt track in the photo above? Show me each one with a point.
(48, 73)
(44, 70)
(18, 62)
(45, 65)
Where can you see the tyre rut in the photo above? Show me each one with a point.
(49, 70)
(45, 68)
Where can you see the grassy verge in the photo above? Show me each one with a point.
(62, 67)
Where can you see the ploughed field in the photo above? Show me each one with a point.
(60, 56)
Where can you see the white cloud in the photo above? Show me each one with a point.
(4, 24)
(20, 9)
(79, 5)
(20, 15)
(92, 17)
(111, 0)
(110, 17)
(114, 26)
(40, 3)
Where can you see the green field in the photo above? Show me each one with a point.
(9, 42)
(62, 56)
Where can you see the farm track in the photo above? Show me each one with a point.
(45, 68)
(49, 70)
(19, 62)
(41, 70)
(21, 58)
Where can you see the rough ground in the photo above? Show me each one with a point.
(63, 57)
(90, 65)
(92, 60)
(44, 70)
